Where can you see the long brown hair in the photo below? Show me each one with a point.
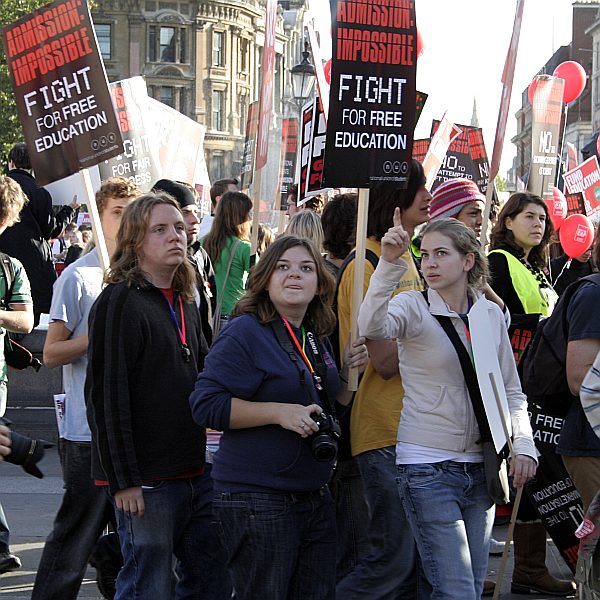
(125, 266)
(231, 216)
(502, 236)
(257, 301)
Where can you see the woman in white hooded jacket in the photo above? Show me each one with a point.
(441, 478)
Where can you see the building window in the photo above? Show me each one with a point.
(103, 33)
(167, 44)
(167, 96)
(218, 108)
(244, 55)
(217, 166)
(218, 54)
(243, 110)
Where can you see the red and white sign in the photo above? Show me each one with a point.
(586, 179)
(266, 94)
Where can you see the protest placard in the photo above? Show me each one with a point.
(287, 165)
(507, 82)
(180, 142)
(140, 160)
(585, 179)
(420, 148)
(559, 505)
(266, 94)
(372, 100)
(61, 90)
(249, 152)
(575, 204)
(313, 150)
(545, 132)
(440, 142)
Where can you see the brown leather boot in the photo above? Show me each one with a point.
(530, 574)
(489, 587)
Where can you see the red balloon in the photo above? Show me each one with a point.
(557, 208)
(575, 79)
(327, 69)
(531, 89)
(576, 235)
(420, 46)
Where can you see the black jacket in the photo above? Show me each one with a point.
(137, 388)
(28, 240)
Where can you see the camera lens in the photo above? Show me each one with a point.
(324, 447)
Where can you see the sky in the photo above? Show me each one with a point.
(465, 45)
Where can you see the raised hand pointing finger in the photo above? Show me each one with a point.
(396, 241)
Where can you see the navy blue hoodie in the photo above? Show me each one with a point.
(248, 362)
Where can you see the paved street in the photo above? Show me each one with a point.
(30, 505)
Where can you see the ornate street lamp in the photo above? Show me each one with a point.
(303, 78)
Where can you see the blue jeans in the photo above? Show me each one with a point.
(279, 546)
(451, 516)
(83, 514)
(390, 569)
(4, 533)
(177, 521)
(352, 516)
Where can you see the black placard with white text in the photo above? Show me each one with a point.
(372, 99)
(61, 90)
(559, 505)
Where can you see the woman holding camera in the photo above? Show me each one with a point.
(271, 384)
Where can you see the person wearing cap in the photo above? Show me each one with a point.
(461, 199)
(184, 196)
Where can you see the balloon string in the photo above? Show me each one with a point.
(567, 265)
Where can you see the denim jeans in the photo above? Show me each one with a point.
(390, 569)
(279, 546)
(451, 516)
(177, 521)
(351, 514)
(83, 514)
(4, 533)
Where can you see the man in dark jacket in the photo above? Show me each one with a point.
(28, 240)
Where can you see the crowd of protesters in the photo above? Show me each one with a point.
(309, 490)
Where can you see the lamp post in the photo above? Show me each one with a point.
(303, 78)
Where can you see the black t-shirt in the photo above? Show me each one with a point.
(583, 316)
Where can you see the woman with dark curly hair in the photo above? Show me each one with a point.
(271, 385)
(339, 228)
(518, 261)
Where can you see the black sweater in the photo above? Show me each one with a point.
(137, 388)
(27, 240)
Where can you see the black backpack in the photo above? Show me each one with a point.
(543, 364)
(15, 355)
(334, 338)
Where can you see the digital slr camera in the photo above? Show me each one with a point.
(325, 441)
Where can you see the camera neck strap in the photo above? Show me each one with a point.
(309, 351)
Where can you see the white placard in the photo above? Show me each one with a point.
(63, 190)
(486, 362)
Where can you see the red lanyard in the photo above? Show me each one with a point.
(180, 330)
(185, 351)
(316, 378)
(298, 346)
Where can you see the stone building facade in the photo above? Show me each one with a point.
(202, 58)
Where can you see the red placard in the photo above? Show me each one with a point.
(585, 179)
(266, 94)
